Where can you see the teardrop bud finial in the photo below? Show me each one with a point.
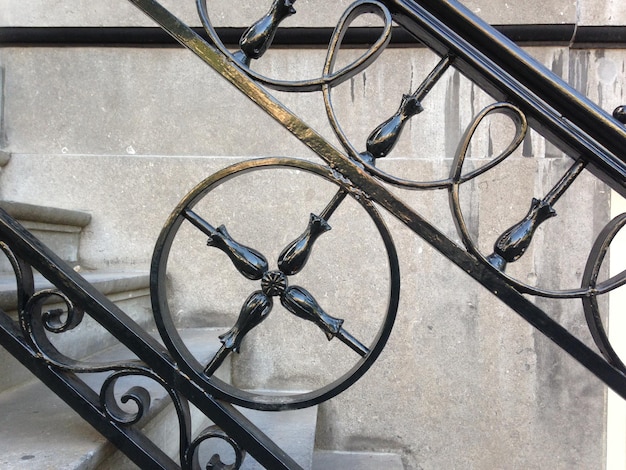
(384, 138)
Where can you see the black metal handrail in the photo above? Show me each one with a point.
(571, 120)
(522, 89)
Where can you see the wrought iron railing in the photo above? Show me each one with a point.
(524, 91)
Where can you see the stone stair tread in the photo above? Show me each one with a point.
(38, 430)
(49, 215)
(327, 460)
(107, 282)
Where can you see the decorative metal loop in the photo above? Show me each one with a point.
(456, 172)
(355, 10)
(56, 320)
(215, 462)
(521, 128)
(35, 322)
(138, 395)
(329, 77)
(141, 398)
(589, 281)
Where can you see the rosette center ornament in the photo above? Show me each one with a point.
(274, 283)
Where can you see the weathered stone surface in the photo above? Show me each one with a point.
(84, 13)
(95, 101)
(310, 13)
(124, 13)
(602, 13)
(531, 12)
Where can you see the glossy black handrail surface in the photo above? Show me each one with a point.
(573, 121)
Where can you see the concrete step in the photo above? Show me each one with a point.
(38, 430)
(129, 290)
(58, 229)
(328, 460)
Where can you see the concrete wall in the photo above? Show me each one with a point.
(124, 133)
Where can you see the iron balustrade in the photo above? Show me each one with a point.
(522, 90)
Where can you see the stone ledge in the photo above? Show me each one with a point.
(49, 215)
(108, 283)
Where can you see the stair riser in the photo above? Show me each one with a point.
(64, 240)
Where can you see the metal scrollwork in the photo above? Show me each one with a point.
(138, 395)
(57, 320)
(213, 433)
(330, 77)
(355, 176)
(38, 316)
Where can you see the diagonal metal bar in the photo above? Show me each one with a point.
(611, 168)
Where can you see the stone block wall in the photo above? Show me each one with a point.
(124, 132)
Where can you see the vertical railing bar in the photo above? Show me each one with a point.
(433, 77)
(334, 203)
(565, 182)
